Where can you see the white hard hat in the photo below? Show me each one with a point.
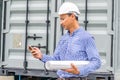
(69, 7)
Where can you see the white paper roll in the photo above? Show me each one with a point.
(56, 65)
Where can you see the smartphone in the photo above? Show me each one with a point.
(30, 48)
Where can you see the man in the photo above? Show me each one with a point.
(76, 44)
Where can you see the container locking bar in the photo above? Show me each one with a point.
(25, 63)
(86, 11)
(39, 46)
(34, 36)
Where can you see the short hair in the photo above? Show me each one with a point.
(76, 17)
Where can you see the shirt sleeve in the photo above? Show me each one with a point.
(93, 57)
(46, 58)
(53, 57)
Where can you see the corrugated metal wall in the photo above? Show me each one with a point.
(15, 31)
(99, 24)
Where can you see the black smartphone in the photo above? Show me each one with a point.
(30, 47)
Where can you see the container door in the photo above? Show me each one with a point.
(14, 33)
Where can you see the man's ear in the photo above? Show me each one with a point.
(73, 15)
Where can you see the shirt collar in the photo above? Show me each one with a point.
(77, 30)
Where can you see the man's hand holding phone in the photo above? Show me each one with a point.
(36, 52)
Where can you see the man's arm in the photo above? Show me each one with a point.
(93, 57)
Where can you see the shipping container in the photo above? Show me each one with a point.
(36, 23)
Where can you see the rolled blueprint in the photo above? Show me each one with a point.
(56, 65)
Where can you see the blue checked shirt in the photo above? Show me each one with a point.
(79, 46)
